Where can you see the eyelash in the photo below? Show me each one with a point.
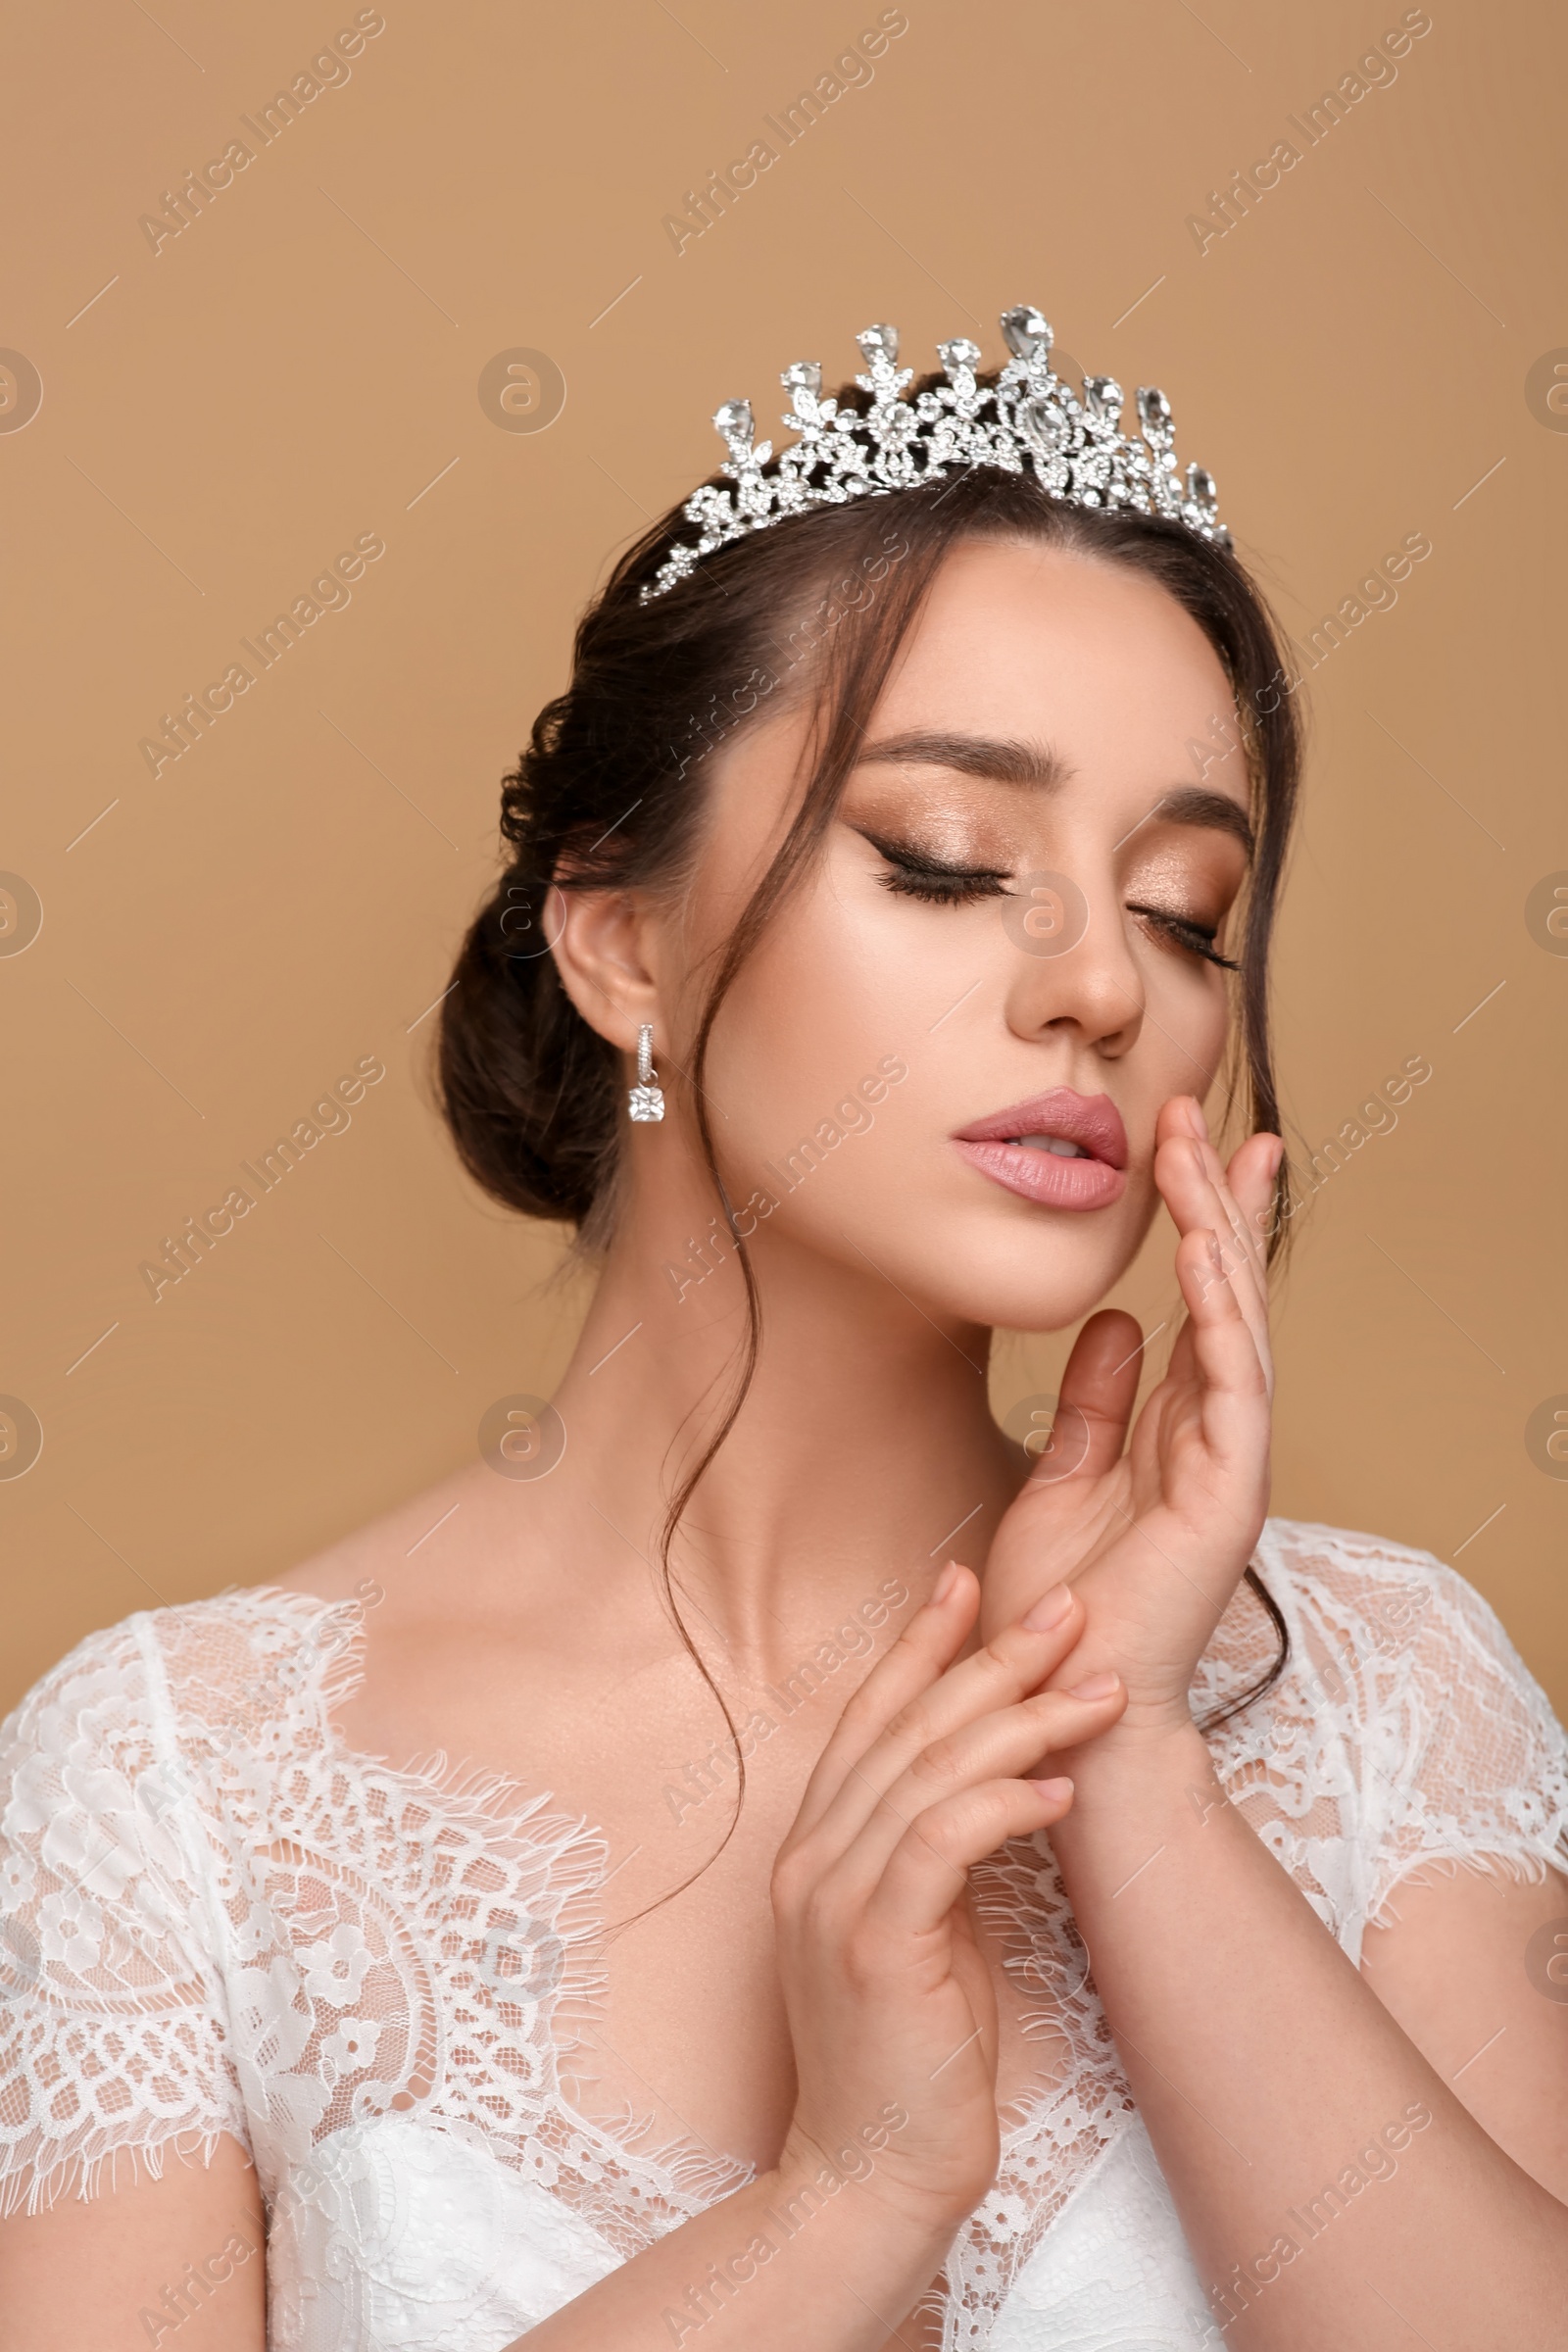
(1193, 936)
(940, 885)
(934, 885)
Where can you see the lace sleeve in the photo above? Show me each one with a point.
(113, 2033)
(1474, 1764)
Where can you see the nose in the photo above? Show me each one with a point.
(1069, 967)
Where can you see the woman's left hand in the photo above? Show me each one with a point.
(1155, 1538)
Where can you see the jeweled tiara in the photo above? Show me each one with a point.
(1029, 418)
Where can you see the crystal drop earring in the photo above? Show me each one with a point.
(647, 1097)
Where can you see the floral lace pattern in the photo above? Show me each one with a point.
(215, 1918)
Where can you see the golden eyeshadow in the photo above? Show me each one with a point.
(950, 835)
(1209, 869)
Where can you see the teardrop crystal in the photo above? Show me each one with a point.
(1026, 333)
(1046, 426)
(1201, 489)
(1153, 409)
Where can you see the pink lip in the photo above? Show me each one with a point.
(1092, 1121)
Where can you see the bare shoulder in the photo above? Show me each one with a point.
(382, 1550)
(449, 1549)
(483, 1604)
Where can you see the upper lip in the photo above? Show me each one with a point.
(1091, 1121)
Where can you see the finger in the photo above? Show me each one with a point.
(926, 1872)
(1008, 1744)
(877, 1740)
(1248, 1266)
(1095, 1402)
(928, 1645)
(1193, 1181)
(1251, 1165)
(1251, 1176)
(1221, 1405)
(1192, 1184)
(1233, 1380)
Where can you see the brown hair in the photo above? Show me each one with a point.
(608, 792)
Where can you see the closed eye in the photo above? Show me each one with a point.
(1195, 937)
(914, 873)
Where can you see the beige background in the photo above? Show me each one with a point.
(300, 366)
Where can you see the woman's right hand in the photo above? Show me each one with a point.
(890, 1999)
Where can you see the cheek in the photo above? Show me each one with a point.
(1179, 1047)
(813, 1011)
(1182, 1043)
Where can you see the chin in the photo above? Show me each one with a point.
(1008, 1293)
(1015, 1267)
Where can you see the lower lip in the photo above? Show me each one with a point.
(1048, 1177)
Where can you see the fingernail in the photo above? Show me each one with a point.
(1275, 1159)
(1049, 1610)
(1056, 1792)
(1195, 1119)
(941, 1590)
(1096, 1685)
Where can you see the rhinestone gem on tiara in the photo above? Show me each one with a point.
(1030, 418)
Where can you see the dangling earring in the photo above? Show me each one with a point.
(647, 1099)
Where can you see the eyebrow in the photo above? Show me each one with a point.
(1011, 759)
(1192, 804)
(1000, 760)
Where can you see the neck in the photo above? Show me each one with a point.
(865, 1449)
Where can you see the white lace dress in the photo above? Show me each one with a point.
(218, 1919)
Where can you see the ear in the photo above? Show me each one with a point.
(602, 941)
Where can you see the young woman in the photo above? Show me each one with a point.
(643, 1891)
